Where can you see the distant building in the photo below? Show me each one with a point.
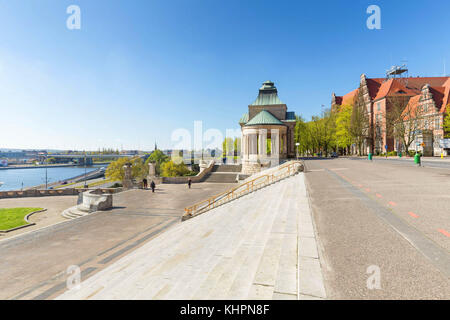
(432, 94)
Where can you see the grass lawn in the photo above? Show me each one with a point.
(14, 217)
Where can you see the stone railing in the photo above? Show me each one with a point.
(52, 192)
(198, 178)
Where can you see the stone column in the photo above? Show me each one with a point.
(127, 182)
(151, 169)
(262, 133)
(275, 142)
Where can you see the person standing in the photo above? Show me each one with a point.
(145, 183)
(153, 186)
(189, 183)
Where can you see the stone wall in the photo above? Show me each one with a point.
(278, 110)
(52, 192)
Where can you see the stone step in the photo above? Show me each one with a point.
(221, 281)
(224, 235)
(73, 213)
(265, 276)
(221, 177)
(215, 270)
(244, 279)
(244, 249)
(227, 168)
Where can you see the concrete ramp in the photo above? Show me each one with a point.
(260, 246)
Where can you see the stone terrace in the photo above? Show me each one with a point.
(261, 246)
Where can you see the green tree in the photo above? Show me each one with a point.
(227, 146)
(237, 146)
(115, 170)
(158, 158)
(343, 126)
(360, 125)
(446, 123)
(172, 169)
(51, 160)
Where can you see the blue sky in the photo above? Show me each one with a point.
(137, 70)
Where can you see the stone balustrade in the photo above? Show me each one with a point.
(52, 192)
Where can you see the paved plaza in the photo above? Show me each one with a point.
(34, 264)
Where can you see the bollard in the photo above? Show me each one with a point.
(370, 156)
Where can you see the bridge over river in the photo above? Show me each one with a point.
(87, 159)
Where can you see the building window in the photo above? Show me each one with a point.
(436, 124)
(379, 106)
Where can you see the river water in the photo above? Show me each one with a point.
(13, 178)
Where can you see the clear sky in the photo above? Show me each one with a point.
(137, 70)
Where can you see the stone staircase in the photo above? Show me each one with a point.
(249, 248)
(74, 212)
(226, 173)
(249, 185)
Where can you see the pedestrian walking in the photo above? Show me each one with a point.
(189, 183)
(153, 186)
(145, 183)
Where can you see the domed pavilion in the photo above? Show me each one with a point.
(267, 131)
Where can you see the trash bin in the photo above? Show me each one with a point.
(399, 154)
(417, 158)
(370, 156)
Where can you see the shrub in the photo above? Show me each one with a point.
(116, 185)
(172, 169)
(392, 153)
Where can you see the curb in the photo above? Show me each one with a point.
(26, 220)
(310, 284)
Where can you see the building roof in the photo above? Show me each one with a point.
(268, 95)
(411, 107)
(381, 87)
(349, 97)
(244, 118)
(394, 87)
(290, 116)
(441, 98)
(262, 118)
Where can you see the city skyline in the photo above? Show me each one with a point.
(134, 73)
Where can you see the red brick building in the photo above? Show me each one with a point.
(378, 94)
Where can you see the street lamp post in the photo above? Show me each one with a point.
(85, 184)
(297, 144)
(46, 180)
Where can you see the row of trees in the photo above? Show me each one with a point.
(349, 125)
(334, 130)
(164, 166)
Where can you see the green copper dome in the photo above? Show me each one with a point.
(268, 95)
(264, 117)
(244, 118)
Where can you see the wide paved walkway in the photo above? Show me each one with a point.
(261, 246)
(34, 265)
(382, 218)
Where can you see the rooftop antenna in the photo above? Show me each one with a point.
(399, 72)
